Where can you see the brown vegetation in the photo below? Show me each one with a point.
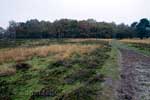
(91, 39)
(6, 71)
(61, 51)
(147, 41)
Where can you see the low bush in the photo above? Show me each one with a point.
(95, 79)
(81, 75)
(51, 76)
(81, 93)
(60, 63)
(5, 90)
(48, 91)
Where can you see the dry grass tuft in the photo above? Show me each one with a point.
(61, 52)
(91, 39)
(6, 71)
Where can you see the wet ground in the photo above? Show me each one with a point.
(135, 76)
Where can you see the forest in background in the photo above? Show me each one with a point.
(68, 28)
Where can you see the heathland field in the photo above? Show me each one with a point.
(72, 69)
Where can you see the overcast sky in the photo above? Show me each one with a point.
(118, 11)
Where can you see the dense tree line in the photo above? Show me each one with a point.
(67, 28)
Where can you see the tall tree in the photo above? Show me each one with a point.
(2, 31)
(142, 27)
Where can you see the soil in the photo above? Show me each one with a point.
(135, 76)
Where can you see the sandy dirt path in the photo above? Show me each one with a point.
(135, 76)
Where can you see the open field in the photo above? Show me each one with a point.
(72, 69)
(59, 71)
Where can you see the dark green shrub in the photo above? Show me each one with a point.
(51, 76)
(81, 75)
(82, 93)
(95, 79)
(60, 63)
(5, 90)
(47, 91)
